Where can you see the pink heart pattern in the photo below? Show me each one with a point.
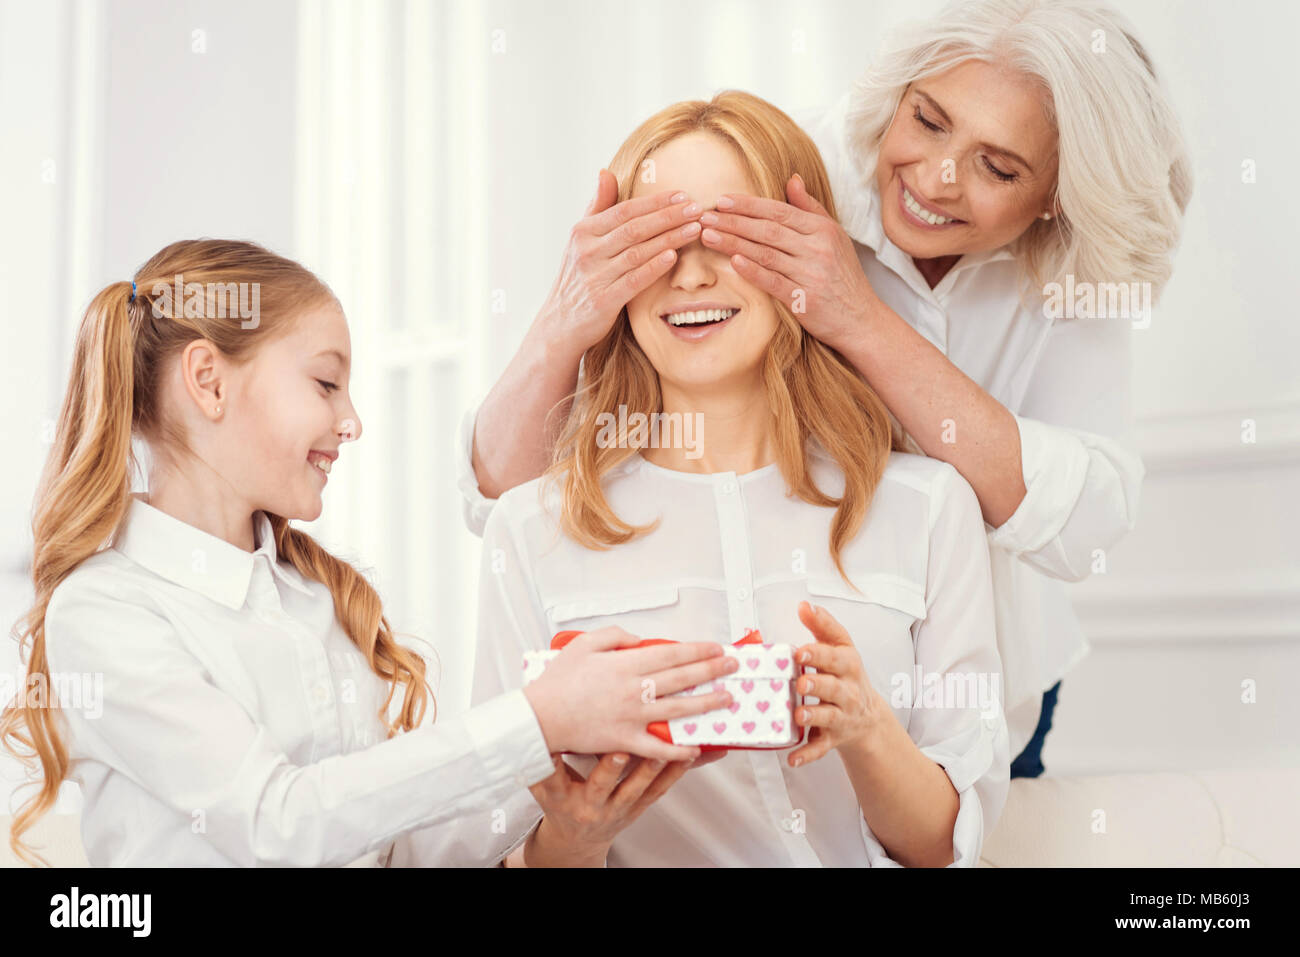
(768, 686)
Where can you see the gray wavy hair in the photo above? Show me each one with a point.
(1124, 175)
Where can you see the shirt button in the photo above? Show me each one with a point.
(321, 693)
(742, 593)
(728, 487)
(785, 824)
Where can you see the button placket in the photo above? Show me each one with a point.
(738, 571)
(733, 532)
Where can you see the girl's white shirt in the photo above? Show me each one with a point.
(226, 719)
(1067, 382)
(735, 552)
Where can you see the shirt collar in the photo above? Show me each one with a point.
(194, 559)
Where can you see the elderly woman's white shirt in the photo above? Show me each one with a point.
(1065, 381)
(735, 552)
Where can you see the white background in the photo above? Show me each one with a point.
(427, 159)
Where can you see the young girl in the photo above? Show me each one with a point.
(793, 496)
(242, 676)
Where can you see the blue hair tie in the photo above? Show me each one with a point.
(132, 299)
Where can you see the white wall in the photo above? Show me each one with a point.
(271, 134)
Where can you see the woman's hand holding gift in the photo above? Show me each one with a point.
(583, 816)
(850, 712)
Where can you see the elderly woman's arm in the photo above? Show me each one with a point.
(1057, 483)
(510, 443)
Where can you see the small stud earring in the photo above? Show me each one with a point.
(1047, 215)
(218, 410)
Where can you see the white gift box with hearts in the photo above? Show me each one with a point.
(761, 714)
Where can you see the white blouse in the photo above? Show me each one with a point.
(733, 552)
(1067, 384)
(226, 719)
(1065, 381)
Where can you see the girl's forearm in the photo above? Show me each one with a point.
(512, 443)
(949, 415)
(907, 800)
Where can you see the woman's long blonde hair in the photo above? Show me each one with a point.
(114, 395)
(811, 389)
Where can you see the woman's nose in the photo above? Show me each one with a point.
(349, 429)
(938, 179)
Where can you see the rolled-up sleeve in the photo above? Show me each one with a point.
(475, 506)
(1081, 471)
(168, 728)
(967, 737)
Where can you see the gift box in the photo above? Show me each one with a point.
(761, 715)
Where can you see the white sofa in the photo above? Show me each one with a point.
(1202, 819)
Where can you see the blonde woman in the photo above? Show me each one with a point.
(242, 676)
(994, 161)
(787, 494)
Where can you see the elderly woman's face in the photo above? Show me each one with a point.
(679, 320)
(970, 146)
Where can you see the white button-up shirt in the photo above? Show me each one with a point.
(227, 719)
(734, 552)
(1067, 384)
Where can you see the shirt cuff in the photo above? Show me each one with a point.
(967, 834)
(475, 506)
(967, 759)
(509, 739)
(1054, 465)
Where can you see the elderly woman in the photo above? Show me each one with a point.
(1002, 174)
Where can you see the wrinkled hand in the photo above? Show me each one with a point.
(850, 711)
(797, 253)
(614, 252)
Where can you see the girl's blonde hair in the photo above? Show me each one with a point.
(811, 389)
(114, 395)
(1124, 175)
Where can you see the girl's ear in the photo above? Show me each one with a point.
(202, 371)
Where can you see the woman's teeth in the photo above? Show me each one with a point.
(321, 462)
(702, 316)
(921, 213)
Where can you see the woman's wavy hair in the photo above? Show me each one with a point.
(1124, 176)
(114, 395)
(811, 389)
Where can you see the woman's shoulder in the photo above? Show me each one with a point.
(540, 500)
(920, 473)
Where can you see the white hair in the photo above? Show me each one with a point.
(1124, 176)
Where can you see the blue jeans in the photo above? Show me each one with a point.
(1030, 762)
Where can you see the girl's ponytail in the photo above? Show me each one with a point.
(129, 333)
(83, 494)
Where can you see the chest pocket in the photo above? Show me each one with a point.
(642, 611)
(901, 600)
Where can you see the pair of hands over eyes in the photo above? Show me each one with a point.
(584, 815)
(795, 252)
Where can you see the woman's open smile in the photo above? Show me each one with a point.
(922, 215)
(693, 321)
